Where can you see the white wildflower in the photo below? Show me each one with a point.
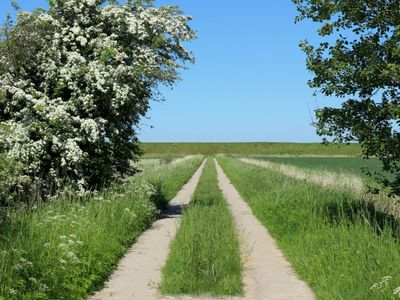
(17, 267)
(43, 288)
(62, 246)
(396, 291)
(383, 282)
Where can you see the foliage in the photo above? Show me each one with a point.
(359, 61)
(339, 244)
(205, 255)
(65, 249)
(74, 82)
(10, 171)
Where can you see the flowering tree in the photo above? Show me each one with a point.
(74, 82)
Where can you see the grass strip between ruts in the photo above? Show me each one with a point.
(341, 246)
(205, 255)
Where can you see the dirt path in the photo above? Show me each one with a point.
(139, 272)
(267, 274)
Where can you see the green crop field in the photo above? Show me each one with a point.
(353, 165)
(250, 149)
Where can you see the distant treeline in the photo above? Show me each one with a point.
(250, 148)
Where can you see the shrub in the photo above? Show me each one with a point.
(75, 81)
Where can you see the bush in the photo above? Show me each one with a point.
(75, 81)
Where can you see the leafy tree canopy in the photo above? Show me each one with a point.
(359, 62)
(74, 82)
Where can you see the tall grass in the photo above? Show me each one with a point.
(205, 256)
(341, 245)
(341, 181)
(66, 249)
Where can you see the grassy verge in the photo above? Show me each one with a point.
(342, 246)
(205, 256)
(66, 249)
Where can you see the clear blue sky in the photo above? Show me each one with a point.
(249, 80)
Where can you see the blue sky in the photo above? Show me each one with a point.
(249, 80)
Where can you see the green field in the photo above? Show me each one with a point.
(250, 149)
(353, 165)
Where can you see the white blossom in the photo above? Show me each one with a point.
(97, 77)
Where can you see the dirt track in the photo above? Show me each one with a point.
(267, 274)
(139, 272)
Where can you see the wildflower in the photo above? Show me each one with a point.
(13, 292)
(26, 262)
(63, 237)
(383, 282)
(396, 291)
(386, 279)
(62, 261)
(62, 245)
(17, 267)
(43, 288)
